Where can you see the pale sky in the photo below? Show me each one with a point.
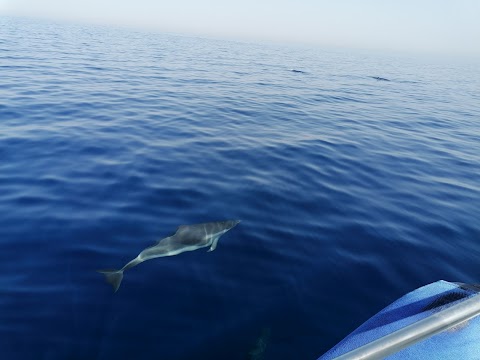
(450, 27)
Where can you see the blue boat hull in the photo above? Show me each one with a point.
(458, 342)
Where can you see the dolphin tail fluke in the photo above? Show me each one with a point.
(113, 277)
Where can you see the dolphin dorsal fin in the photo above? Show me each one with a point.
(181, 228)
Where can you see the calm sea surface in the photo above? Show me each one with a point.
(351, 190)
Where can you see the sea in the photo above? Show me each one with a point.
(356, 177)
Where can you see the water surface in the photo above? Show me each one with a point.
(351, 190)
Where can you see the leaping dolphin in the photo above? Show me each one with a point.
(186, 238)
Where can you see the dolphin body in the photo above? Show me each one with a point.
(186, 238)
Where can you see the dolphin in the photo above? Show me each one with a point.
(186, 238)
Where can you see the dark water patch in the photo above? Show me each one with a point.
(337, 98)
(379, 78)
(407, 81)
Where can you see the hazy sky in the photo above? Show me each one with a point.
(439, 26)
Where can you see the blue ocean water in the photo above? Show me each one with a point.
(352, 191)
